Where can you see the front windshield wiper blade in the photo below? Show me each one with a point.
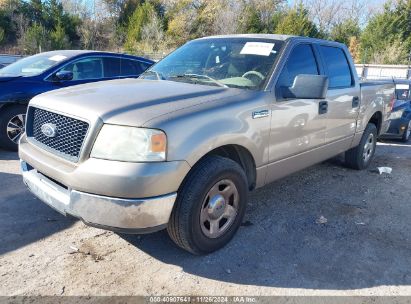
(197, 76)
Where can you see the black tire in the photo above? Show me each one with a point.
(6, 115)
(184, 226)
(354, 158)
(407, 134)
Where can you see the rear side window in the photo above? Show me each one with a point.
(300, 61)
(338, 68)
(111, 67)
(132, 67)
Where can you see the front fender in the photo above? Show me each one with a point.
(193, 133)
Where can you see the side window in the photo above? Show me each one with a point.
(338, 68)
(131, 67)
(111, 67)
(87, 68)
(300, 61)
(145, 65)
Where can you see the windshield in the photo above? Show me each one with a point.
(33, 65)
(233, 62)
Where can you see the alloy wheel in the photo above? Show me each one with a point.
(15, 127)
(219, 208)
(369, 147)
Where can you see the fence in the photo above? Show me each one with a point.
(381, 71)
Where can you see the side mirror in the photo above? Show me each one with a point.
(307, 87)
(64, 76)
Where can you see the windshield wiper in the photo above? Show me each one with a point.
(198, 76)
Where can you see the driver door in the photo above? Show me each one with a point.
(85, 70)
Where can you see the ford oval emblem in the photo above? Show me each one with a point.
(49, 130)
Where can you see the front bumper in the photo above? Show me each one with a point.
(117, 214)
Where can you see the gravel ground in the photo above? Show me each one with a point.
(283, 248)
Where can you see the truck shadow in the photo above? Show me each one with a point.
(23, 218)
(364, 243)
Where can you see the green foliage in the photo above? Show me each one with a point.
(141, 16)
(296, 21)
(388, 31)
(143, 26)
(59, 40)
(251, 22)
(2, 35)
(343, 32)
(35, 40)
(180, 20)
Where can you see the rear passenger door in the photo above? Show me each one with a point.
(343, 94)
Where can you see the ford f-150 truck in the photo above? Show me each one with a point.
(181, 147)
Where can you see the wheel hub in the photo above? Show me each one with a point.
(216, 206)
(219, 209)
(368, 148)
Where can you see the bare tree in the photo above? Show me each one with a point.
(328, 13)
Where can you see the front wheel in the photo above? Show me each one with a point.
(360, 157)
(210, 206)
(12, 124)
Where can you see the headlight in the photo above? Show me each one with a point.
(130, 144)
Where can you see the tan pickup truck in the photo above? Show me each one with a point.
(181, 147)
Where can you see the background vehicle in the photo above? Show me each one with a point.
(5, 60)
(24, 79)
(400, 118)
(216, 118)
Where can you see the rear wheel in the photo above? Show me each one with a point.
(12, 124)
(210, 206)
(360, 157)
(407, 133)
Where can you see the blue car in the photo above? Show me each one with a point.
(28, 77)
(400, 117)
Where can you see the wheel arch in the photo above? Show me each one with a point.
(241, 155)
(376, 119)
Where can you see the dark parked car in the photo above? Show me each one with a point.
(5, 60)
(28, 77)
(400, 126)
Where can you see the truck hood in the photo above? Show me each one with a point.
(130, 102)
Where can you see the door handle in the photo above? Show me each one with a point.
(355, 101)
(323, 107)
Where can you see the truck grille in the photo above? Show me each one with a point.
(67, 139)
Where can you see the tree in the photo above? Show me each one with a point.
(34, 40)
(251, 22)
(296, 21)
(2, 35)
(344, 31)
(354, 48)
(141, 17)
(59, 40)
(388, 31)
(181, 16)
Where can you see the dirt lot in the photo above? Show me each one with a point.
(364, 248)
